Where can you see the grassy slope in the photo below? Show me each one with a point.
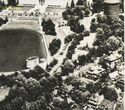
(16, 46)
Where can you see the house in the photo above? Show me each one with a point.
(95, 100)
(113, 60)
(114, 75)
(95, 72)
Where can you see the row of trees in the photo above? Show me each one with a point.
(77, 12)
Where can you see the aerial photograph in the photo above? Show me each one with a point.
(62, 55)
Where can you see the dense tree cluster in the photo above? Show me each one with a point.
(13, 2)
(109, 93)
(109, 34)
(44, 92)
(97, 6)
(80, 2)
(75, 25)
(48, 27)
(54, 46)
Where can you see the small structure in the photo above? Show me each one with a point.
(111, 8)
(114, 75)
(95, 72)
(95, 100)
(113, 60)
(32, 62)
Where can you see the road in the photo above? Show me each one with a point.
(4, 93)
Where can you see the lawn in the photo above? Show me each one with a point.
(18, 44)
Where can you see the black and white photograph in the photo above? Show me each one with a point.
(62, 55)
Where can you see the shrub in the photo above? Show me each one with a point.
(86, 33)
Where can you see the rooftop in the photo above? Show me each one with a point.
(95, 70)
(112, 1)
(113, 57)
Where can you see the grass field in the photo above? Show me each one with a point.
(18, 44)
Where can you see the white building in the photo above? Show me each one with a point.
(61, 3)
(29, 2)
(32, 62)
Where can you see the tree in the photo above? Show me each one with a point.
(65, 15)
(80, 2)
(69, 38)
(54, 46)
(93, 27)
(12, 2)
(100, 34)
(67, 68)
(113, 43)
(48, 27)
(87, 12)
(121, 17)
(2, 5)
(101, 19)
(86, 33)
(107, 30)
(79, 97)
(80, 15)
(97, 6)
(109, 93)
(82, 60)
(72, 4)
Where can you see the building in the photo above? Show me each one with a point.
(28, 2)
(32, 62)
(95, 100)
(113, 60)
(56, 3)
(111, 8)
(95, 72)
(55, 7)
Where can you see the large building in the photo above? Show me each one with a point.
(29, 2)
(111, 8)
